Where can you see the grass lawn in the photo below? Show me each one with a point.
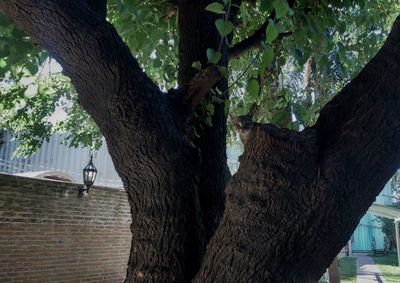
(348, 270)
(389, 267)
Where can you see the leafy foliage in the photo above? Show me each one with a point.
(388, 228)
(336, 40)
(149, 28)
(310, 51)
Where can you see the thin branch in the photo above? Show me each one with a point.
(255, 40)
(244, 72)
(252, 42)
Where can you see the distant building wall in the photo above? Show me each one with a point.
(370, 227)
(48, 234)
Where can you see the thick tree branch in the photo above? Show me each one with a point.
(368, 104)
(255, 40)
(265, 210)
(310, 187)
(156, 164)
(252, 42)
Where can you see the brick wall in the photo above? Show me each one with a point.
(48, 234)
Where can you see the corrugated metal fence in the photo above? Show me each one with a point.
(55, 156)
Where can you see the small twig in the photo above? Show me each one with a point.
(244, 72)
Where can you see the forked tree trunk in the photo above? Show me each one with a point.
(296, 198)
(271, 207)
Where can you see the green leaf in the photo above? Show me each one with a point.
(213, 56)
(281, 8)
(253, 88)
(4, 52)
(271, 33)
(300, 112)
(208, 121)
(324, 61)
(243, 14)
(121, 7)
(227, 105)
(210, 108)
(279, 117)
(32, 68)
(267, 58)
(224, 71)
(224, 27)
(281, 61)
(196, 65)
(216, 8)
(3, 63)
(266, 6)
(157, 63)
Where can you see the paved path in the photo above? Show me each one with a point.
(367, 271)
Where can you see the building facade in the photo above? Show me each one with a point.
(369, 227)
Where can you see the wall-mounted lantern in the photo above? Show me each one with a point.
(89, 175)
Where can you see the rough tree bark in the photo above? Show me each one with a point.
(297, 196)
(195, 36)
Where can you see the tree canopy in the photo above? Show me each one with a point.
(283, 68)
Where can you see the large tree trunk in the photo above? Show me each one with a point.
(196, 34)
(297, 196)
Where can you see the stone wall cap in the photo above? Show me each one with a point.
(28, 178)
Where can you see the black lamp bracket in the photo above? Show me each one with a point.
(81, 190)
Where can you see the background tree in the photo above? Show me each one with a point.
(388, 228)
(286, 213)
(395, 184)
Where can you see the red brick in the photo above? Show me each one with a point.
(47, 234)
